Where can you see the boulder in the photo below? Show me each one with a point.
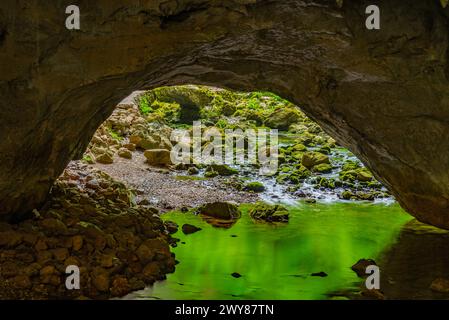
(220, 210)
(171, 227)
(148, 143)
(440, 285)
(312, 158)
(322, 168)
(222, 169)
(361, 265)
(100, 280)
(158, 157)
(125, 153)
(104, 158)
(254, 186)
(270, 213)
(130, 146)
(282, 118)
(364, 175)
(135, 140)
(189, 228)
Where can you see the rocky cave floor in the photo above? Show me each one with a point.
(163, 189)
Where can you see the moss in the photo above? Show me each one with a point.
(350, 165)
(211, 174)
(255, 186)
(299, 174)
(350, 175)
(347, 195)
(322, 168)
(115, 135)
(269, 213)
(326, 183)
(312, 158)
(325, 150)
(299, 147)
(283, 117)
(363, 174)
(88, 159)
(282, 178)
(222, 169)
(145, 105)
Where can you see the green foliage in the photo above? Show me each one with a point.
(88, 159)
(145, 105)
(159, 111)
(115, 135)
(164, 112)
(166, 104)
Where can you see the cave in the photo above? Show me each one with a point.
(382, 94)
(387, 105)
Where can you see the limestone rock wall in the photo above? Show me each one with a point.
(383, 94)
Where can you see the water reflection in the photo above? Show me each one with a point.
(420, 255)
(276, 260)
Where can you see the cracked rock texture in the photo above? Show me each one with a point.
(383, 94)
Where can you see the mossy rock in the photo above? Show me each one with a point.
(104, 158)
(297, 155)
(222, 169)
(350, 165)
(312, 158)
(282, 118)
(282, 178)
(285, 169)
(326, 183)
(322, 168)
(299, 147)
(348, 176)
(191, 99)
(367, 196)
(220, 210)
(347, 195)
(375, 185)
(193, 170)
(270, 213)
(325, 150)
(211, 174)
(299, 174)
(364, 175)
(255, 186)
(307, 139)
(360, 174)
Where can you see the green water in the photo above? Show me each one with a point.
(276, 261)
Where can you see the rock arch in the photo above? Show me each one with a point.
(383, 94)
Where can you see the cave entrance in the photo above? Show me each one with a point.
(310, 165)
(319, 188)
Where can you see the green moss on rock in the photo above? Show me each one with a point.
(313, 158)
(270, 213)
(255, 186)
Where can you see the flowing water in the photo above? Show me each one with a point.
(276, 260)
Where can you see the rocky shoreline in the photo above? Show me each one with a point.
(90, 221)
